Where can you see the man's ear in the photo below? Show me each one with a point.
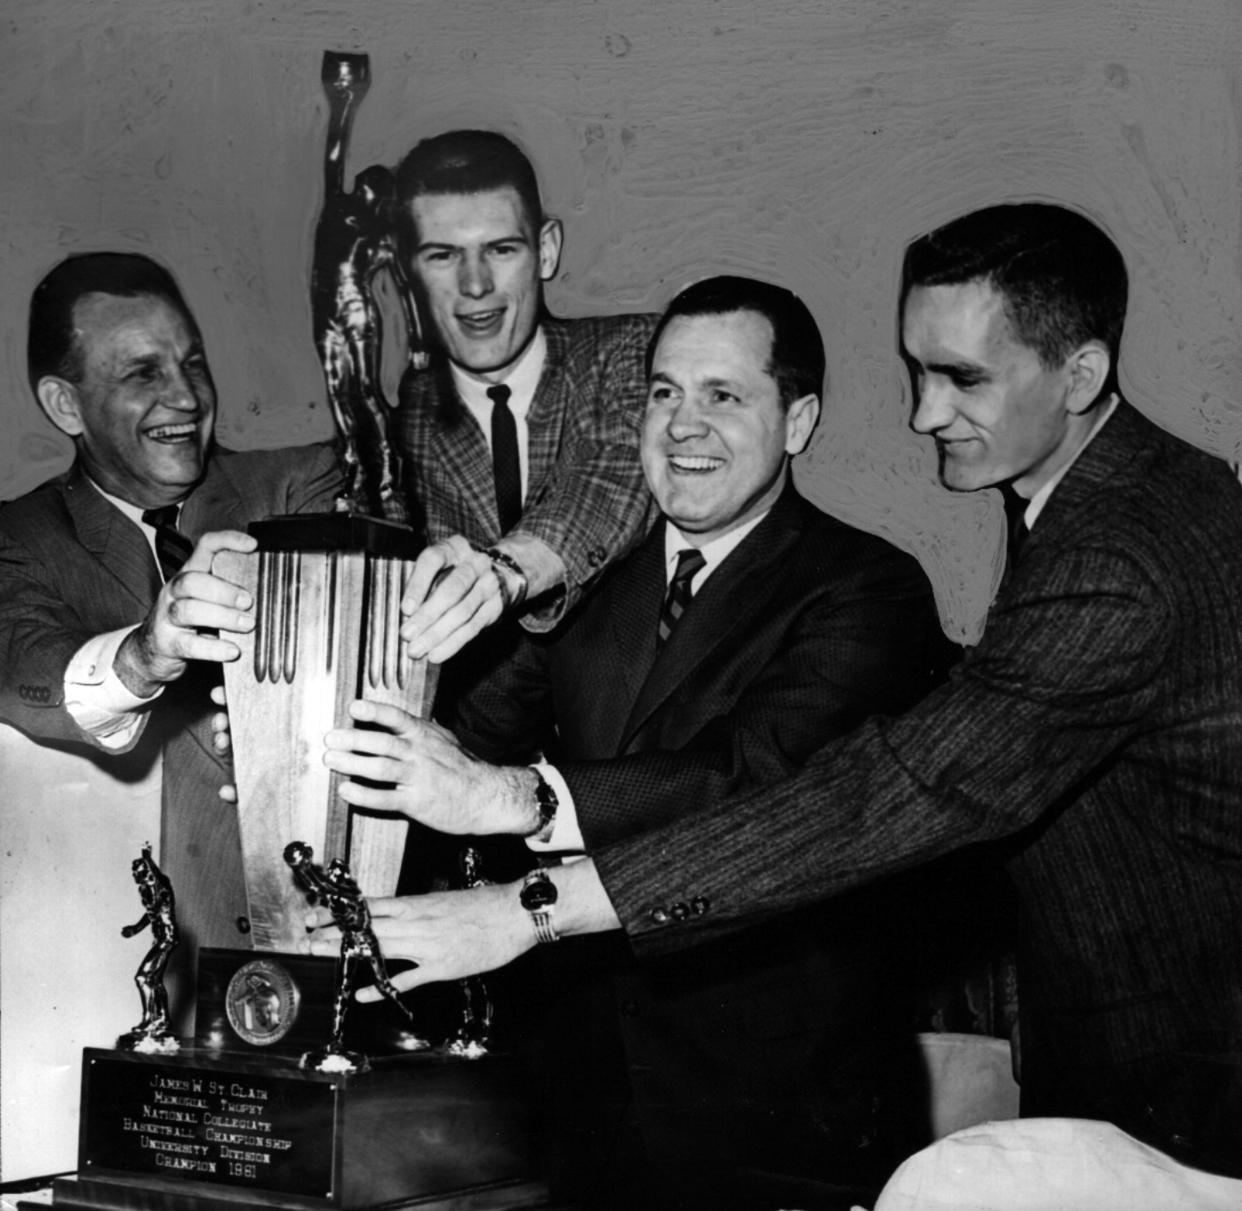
(550, 236)
(800, 418)
(59, 400)
(1088, 372)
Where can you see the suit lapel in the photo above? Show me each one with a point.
(216, 504)
(1112, 451)
(633, 595)
(727, 606)
(549, 409)
(459, 445)
(112, 538)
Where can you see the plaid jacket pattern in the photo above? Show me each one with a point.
(586, 497)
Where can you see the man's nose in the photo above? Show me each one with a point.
(933, 408)
(687, 419)
(180, 393)
(474, 278)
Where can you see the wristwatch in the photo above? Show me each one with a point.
(538, 897)
(547, 802)
(514, 583)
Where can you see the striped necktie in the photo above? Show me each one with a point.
(506, 468)
(689, 562)
(172, 548)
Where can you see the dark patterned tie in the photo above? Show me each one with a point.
(172, 548)
(689, 562)
(506, 468)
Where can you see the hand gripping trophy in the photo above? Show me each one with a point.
(153, 1033)
(337, 891)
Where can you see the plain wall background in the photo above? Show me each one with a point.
(806, 142)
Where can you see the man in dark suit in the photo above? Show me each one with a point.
(1092, 740)
(520, 441)
(747, 628)
(1094, 736)
(103, 641)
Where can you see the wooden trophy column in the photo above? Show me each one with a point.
(326, 632)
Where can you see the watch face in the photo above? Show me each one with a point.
(539, 893)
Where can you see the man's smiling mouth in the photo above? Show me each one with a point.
(173, 433)
(695, 464)
(481, 321)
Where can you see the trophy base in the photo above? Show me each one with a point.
(89, 1194)
(214, 1129)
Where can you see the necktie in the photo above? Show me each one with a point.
(1015, 524)
(172, 548)
(506, 469)
(689, 562)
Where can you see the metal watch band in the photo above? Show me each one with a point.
(538, 897)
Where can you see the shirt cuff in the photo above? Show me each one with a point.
(96, 698)
(566, 836)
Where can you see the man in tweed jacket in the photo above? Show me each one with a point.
(479, 249)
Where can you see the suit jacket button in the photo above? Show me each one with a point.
(596, 556)
(699, 905)
(243, 924)
(659, 916)
(680, 910)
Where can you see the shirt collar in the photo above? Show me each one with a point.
(1040, 499)
(133, 512)
(713, 552)
(522, 377)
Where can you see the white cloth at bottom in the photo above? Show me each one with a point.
(1051, 1164)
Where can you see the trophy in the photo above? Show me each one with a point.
(273, 1106)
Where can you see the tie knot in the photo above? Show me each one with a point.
(163, 517)
(689, 562)
(499, 394)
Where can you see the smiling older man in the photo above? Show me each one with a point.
(109, 615)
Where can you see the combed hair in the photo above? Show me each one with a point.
(797, 362)
(51, 346)
(467, 161)
(1062, 278)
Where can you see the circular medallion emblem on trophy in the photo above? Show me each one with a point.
(262, 1002)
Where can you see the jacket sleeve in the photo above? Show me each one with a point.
(1064, 675)
(40, 631)
(596, 506)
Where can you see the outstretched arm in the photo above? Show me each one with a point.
(455, 934)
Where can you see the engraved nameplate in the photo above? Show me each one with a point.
(259, 1130)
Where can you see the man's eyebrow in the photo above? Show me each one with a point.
(956, 369)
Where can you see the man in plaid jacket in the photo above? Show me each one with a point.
(479, 249)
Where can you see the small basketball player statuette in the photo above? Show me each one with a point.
(153, 1034)
(334, 887)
